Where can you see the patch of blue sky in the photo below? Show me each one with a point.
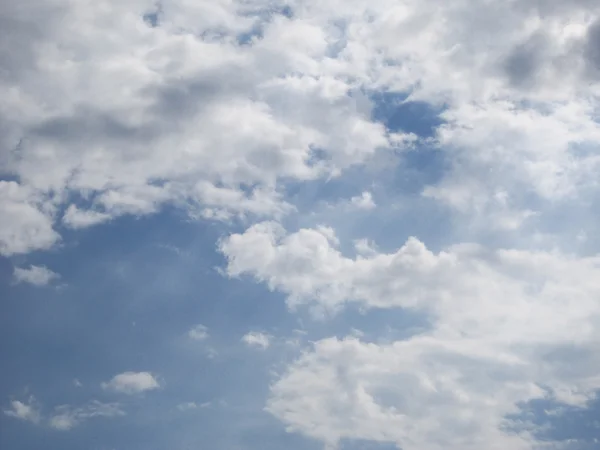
(395, 180)
(152, 18)
(553, 421)
(263, 17)
(133, 288)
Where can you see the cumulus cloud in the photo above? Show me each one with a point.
(66, 417)
(419, 394)
(132, 383)
(36, 275)
(257, 339)
(29, 411)
(363, 201)
(25, 225)
(153, 125)
(95, 128)
(506, 324)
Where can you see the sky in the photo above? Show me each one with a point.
(311, 225)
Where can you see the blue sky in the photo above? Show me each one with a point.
(312, 225)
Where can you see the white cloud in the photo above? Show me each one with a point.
(25, 226)
(420, 394)
(363, 201)
(36, 275)
(66, 417)
(132, 383)
(455, 285)
(198, 333)
(220, 136)
(76, 218)
(187, 406)
(154, 125)
(29, 411)
(257, 339)
(505, 323)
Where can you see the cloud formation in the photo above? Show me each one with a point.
(224, 109)
(29, 411)
(132, 383)
(66, 417)
(198, 333)
(506, 325)
(257, 339)
(36, 275)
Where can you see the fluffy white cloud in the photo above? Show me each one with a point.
(423, 393)
(280, 96)
(363, 201)
(257, 339)
(219, 103)
(25, 225)
(153, 123)
(66, 417)
(76, 218)
(508, 326)
(132, 383)
(29, 411)
(36, 275)
(308, 266)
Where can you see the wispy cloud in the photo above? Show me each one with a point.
(28, 411)
(36, 275)
(66, 417)
(198, 333)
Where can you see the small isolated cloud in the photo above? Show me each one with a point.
(198, 333)
(132, 383)
(363, 201)
(36, 275)
(25, 411)
(187, 406)
(257, 339)
(66, 417)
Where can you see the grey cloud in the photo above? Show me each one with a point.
(592, 48)
(179, 99)
(24, 27)
(526, 60)
(87, 124)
